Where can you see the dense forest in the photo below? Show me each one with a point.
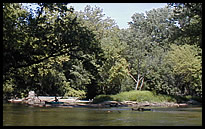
(55, 50)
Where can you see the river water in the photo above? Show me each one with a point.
(21, 115)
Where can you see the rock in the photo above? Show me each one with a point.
(15, 100)
(113, 104)
(31, 94)
(193, 102)
(144, 104)
(140, 109)
(129, 102)
(47, 105)
(182, 105)
(31, 102)
(41, 105)
(36, 105)
(175, 105)
(110, 103)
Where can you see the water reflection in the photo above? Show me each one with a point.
(20, 115)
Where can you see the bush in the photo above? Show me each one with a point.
(102, 98)
(139, 96)
(75, 93)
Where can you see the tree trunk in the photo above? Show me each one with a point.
(142, 83)
(139, 78)
(132, 77)
(138, 81)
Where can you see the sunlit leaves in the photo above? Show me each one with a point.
(185, 60)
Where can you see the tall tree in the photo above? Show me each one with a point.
(32, 39)
(111, 72)
(147, 37)
(189, 19)
(186, 63)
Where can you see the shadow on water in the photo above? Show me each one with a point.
(20, 115)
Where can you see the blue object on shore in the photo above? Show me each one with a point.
(54, 102)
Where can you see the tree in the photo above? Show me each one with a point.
(53, 32)
(148, 36)
(55, 50)
(112, 70)
(189, 19)
(186, 63)
(13, 26)
(45, 35)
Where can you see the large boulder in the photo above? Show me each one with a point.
(31, 94)
(32, 98)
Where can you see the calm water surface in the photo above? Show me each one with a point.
(21, 115)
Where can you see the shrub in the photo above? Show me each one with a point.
(139, 96)
(102, 98)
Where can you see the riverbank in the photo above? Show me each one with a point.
(69, 103)
(123, 99)
(107, 104)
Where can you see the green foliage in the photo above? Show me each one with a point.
(8, 88)
(186, 62)
(102, 98)
(55, 50)
(189, 18)
(147, 39)
(185, 59)
(141, 96)
(151, 35)
(75, 93)
(138, 96)
(45, 36)
(37, 53)
(112, 72)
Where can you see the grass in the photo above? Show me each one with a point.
(138, 96)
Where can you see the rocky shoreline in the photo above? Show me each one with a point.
(106, 104)
(40, 101)
(144, 104)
